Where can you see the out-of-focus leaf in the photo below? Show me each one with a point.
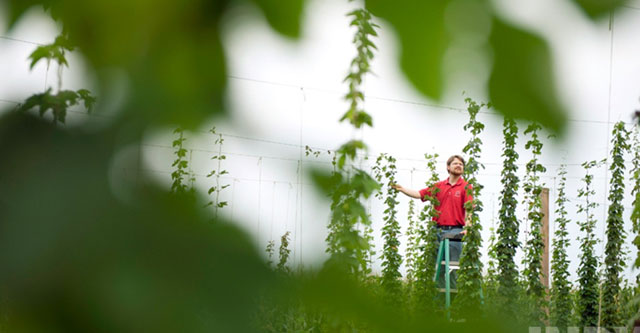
(284, 16)
(420, 27)
(74, 258)
(521, 83)
(598, 8)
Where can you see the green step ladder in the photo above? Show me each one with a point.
(449, 266)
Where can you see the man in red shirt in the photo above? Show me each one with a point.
(452, 193)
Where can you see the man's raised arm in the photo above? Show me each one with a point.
(407, 191)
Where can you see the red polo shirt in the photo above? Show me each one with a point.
(452, 199)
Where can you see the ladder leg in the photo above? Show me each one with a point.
(446, 276)
(438, 265)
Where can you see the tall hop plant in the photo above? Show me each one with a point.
(348, 185)
(469, 299)
(588, 293)
(413, 244)
(509, 225)
(561, 303)
(635, 192)
(614, 260)
(425, 265)
(534, 246)
(385, 172)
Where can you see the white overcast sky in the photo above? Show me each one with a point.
(285, 95)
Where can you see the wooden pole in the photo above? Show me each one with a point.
(544, 274)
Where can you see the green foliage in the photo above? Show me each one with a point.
(424, 290)
(270, 250)
(596, 9)
(534, 245)
(413, 245)
(173, 55)
(284, 252)
(521, 82)
(561, 304)
(347, 185)
(589, 293)
(509, 226)
(181, 165)
(635, 192)
(385, 173)
(491, 282)
(55, 51)
(58, 103)
(360, 66)
(469, 298)
(217, 172)
(614, 260)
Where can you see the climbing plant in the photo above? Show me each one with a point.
(534, 246)
(284, 253)
(348, 185)
(425, 288)
(60, 101)
(180, 174)
(469, 299)
(413, 244)
(509, 225)
(270, 250)
(588, 292)
(560, 309)
(635, 192)
(615, 258)
(385, 173)
(217, 172)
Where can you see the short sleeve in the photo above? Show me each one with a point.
(424, 193)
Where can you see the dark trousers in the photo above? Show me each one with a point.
(455, 249)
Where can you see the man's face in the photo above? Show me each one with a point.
(456, 167)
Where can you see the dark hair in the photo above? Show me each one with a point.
(455, 157)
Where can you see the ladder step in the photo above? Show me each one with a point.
(451, 263)
(442, 290)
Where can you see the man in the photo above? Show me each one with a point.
(452, 195)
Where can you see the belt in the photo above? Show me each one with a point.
(449, 227)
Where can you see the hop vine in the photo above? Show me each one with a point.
(614, 260)
(425, 289)
(535, 245)
(60, 101)
(469, 298)
(284, 253)
(348, 185)
(561, 303)
(509, 226)
(385, 172)
(217, 173)
(588, 293)
(181, 175)
(635, 192)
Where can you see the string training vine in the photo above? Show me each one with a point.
(181, 165)
(348, 185)
(635, 193)
(469, 299)
(534, 246)
(284, 253)
(614, 253)
(425, 290)
(561, 287)
(62, 100)
(509, 226)
(385, 173)
(588, 292)
(217, 172)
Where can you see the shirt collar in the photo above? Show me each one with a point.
(460, 180)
